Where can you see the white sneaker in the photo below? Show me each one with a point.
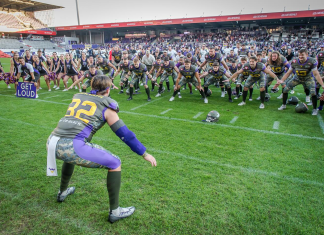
(314, 112)
(120, 213)
(206, 101)
(179, 96)
(292, 92)
(235, 98)
(183, 88)
(36, 96)
(158, 95)
(310, 103)
(223, 94)
(242, 103)
(282, 107)
(250, 99)
(62, 195)
(75, 87)
(171, 99)
(65, 90)
(307, 99)
(9, 87)
(57, 88)
(261, 106)
(40, 88)
(54, 86)
(49, 90)
(280, 96)
(80, 90)
(259, 98)
(141, 84)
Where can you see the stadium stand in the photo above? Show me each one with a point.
(12, 44)
(20, 20)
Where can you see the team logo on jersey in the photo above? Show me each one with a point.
(52, 170)
(246, 67)
(320, 54)
(294, 61)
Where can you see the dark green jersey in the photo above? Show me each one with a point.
(138, 71)
(217, 74)
(190, 73)
(304, 70)
(320, 58)
(278, 68)
(256, 72)
(85, 116)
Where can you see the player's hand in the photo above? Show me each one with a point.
(175, 88)
(276, 85)
(114, 87)
(150, 159)
(322, 97)
(279, 81)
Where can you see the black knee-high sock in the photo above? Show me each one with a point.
(251, 92)
(84, 90)
(317, 90)
(321, 103)
(307, 92)
(190, 87)
(266, 89)
(284, 98)
(314, 101)
(153, 84)
(168, 85)
(205, 90)
(185, 86)
(241, 88)
(121, 88)
(262, 96)
(113, 187)
(175, 92)
(137, 85)
(229, 93)
(126, 83)
(148, 92)
(202, 94)
(244, 95)
(67, 171)
(237, 91)
(160, 88)
(131, 90)
(222, 88)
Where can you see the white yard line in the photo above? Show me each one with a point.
(276, 125)
(51, 96)
(234, 119)
(197, 115)
(320, 121)
(149, 102)
(164, 112)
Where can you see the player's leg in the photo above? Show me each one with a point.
(263, 85)
(248, 83)
(147, 89)
(288, 86)
(311, 86)
(131, 86)
(65, 79)
(177, 88)
(194, 82)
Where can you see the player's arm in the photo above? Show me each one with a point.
(198, 79)
(74, 65)
(177, 81)
(318, 77)
(117, 72)
(152, 69)
(159, 72)
(176, 69)
(227, 74)
(203, 64)
(238, 72)
(224, 64)
(268, 71)
(113, 66)
(76, 82)
(127, 136)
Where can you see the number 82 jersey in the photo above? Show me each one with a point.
(85, 116)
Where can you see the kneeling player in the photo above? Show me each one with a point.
(124, 67)
(256, 72)
(218, 74)
(188, 73)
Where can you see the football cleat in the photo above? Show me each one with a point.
(261, 106)
(314, 112)
(158, 95)
(121, 92)
(282, 107)
(259, 98)
(236, 97)
(242, 103)
(148, 99)
(223, 94)
(129, 98)
(280, 96)
(62, 195)
(206, 101)
(230, 100)
(320, 108)
(292, 92)
(179, 96)
(171, 99)
(120, 213)
(307, 99)
(250, 99)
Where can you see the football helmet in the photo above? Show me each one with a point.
(301, 108)
(212, 116)
(293, 100)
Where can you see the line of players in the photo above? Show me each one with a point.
(249, 70)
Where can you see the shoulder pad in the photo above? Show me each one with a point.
(111, 104)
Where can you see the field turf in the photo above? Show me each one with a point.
(238, 176)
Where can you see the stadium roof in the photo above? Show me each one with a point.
(202, 20)
(26, 5)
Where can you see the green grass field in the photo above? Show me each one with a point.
(232, 177)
